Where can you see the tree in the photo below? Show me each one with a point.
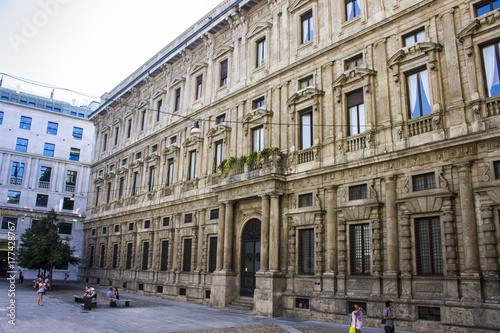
(41, 247)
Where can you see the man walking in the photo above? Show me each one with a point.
(389, 317)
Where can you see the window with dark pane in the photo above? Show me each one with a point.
(117, 228)
(42, 200)
(305, 200)
(147, 224)
(223, 72)
(65, 228)
(128, 263)
(166, 221)
(186, 257)
(258, 103)
(131, 226)
(91, 256)
(68, 203)
(188, 218)
(214, 214)
(212, 255)
(177, 101)
(115, 255)
(359, 246)
(164, 256)
(424, 181)
(306, 251)
(429, 313)
(358, 192)
(145, 255)
(428, 246)
(496, 168)
(103, 255)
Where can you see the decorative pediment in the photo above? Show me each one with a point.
(218, 129)
(258, 27)
(170, 149)
(122, 170)
(115, 121)
(191, 141)
(143, 103)
(136, 164)
(357, 213)
(413, 51)
(151, 157)
(159, 92)
(98, 180)
(128, 113)
(304, 95)
(469, 30)
(256, 115)
(178, 80)
(297, 4)
(352, 75)
(104, 128)
(198, 67)
(222, 51)
(109, 175)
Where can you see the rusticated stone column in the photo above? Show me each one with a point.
(274, 239)
(264, 239)
(220, 237)
(228, 237)
(331, 229)
(391, 225)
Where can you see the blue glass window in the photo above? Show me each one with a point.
(48, 149)
(22, 144)
(52, 128)
(418, 93)
(1, 117)
(487, 6)
(74, 154)
(77, 133)
(25, 123)
(491, 60)
(352, 9)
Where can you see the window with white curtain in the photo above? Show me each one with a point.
(418, 94)
(258, 139)
(306, 27)
(356, 112)
(192, 165)
(352, 9)
(491, 60)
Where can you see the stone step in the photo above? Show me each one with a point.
(242, 305)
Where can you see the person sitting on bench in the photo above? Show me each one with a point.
(113, 301)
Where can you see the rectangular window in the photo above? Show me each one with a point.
(356, 112)
(1, 117)
(138, 155)
(17, 173)
(306, 251)
(359, 245)
(44, 180)
(219, 147)
(306, 24)
(68, 203)
(306, 82)
(22, 145)
(65, 228)
(129, 128)
(305, 200)
(164, 256)
(9, 223)
(91, 259)
(158, 109)
(358, 192)
(74, 154)
(13, 197)
(177, 102)
(223, 73)
(214, 214)
(128, 264)
(71, 180)
(220, 119)
(414, 37)
(117, 131)
(42, 200)
(48, 149)
(166, 221)
(428, 246)
(104, 141)
(486, 6)
(418, 94)
(354, 62)
(491, 63)
(199, 86)
(496, 169)
(135, 182)
(429, 313)
(188, 218)
(92, 232)
(186, 258)
(352, 9)
(97, 191)
(212, 254)
(81, 115)
(131, 226)
(120, 187)
(73, 113)
(147, 224)
(115, 256)
(425, 181)
(261, 52)
(192, 165)
(77, 133)
(25, 123)
(258, 139)
(173, 139)
(104, 230)
(306, 129)
(143, 120)
(52, 128)
(108, 192)
(103, 255)
(258, 103)
(151, 184)
(145, 255)
(117, 228)
(170, 172)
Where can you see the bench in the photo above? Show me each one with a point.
(126, 301)
(78, 298)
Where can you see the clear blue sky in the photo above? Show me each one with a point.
(87, 45)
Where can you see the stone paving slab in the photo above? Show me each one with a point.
(146, 314)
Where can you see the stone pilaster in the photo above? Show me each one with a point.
(274, 239)
(228, 237)
(264, 239)
(405, 254)
(220, 237)
(390, 285)
(331, 240)
(489, 255)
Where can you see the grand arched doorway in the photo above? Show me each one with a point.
(250, 256)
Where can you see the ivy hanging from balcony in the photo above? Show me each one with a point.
(252, 160)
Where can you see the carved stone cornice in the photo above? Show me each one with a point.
(413, 51)
(98, 180)
(352, 75)
(109, 175)
(258, 27)
(218, 129)
(469, 30)
(304, 95)
(122, 170)
(222, 51)
(151, 158)
(136, 164)
(256, 115)
(170, 149)
(297, 4)
(191, 141)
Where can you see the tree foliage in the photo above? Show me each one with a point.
(41, 247)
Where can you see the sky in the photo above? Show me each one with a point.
(87, 46)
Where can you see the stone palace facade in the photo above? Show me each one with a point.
(308, 156)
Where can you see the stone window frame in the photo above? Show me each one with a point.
(349, 247)
(177, 84)
(223, 53)
(260, 117)
(441, 182)
(171, 151)
(298, 249)
(209, 254)
(183, 254)
(305, 78)
(219, 132)
(420, 215)
(192, 144)
(475, 4)
(298, 9)
(258, 32)
(344, 22)
(197, 70)
(316, 201)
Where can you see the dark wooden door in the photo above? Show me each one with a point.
(250, 258)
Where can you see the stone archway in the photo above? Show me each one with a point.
(250, 256)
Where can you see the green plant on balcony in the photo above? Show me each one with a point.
(252, 159)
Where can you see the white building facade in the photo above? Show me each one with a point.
(45, 153)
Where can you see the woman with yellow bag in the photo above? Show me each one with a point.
(356, 319)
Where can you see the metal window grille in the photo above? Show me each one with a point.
(305, 200)
(186, 258)
(188, 218)
(115, 255)
(429, 313)
(214, 214)
(425, 181)
(147, 224)
(358, 192)
(496, 167)
(212, 256)
(302, 303)
(428, 246)
(164, 256)
(145, 255)
(166, 221)
(103, 255)
(91, 259)
(306, 251)
(159, 289)
(128, 264)
(359, 242)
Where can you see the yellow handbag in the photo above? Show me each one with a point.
(352, 330)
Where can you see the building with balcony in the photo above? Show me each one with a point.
(45, 157)
(309, 155)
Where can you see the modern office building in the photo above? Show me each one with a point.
(45, 155)
(305, 156)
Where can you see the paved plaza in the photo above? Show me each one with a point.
(60, 313)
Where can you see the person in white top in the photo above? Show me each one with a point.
(357, 318)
